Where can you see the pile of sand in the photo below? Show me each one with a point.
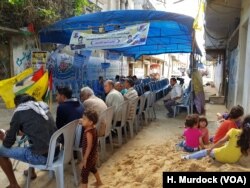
(143, 167)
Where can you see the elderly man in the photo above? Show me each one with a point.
(90, 101)
(35, 121)
(114, 97)
(119, 87)
(174, 97)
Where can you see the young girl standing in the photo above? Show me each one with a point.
(90, 143)
(237, 142)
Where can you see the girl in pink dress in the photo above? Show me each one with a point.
(192, 135)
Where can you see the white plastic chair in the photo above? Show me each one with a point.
(65, 156)
(78, 136)
(185, 104)
(107, 117)
(122, 109)
(139, 118)
(132, 107)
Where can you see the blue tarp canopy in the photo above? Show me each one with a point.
(168, 32)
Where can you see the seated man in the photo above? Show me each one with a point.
(113, 98)
(130, 95)
(120, 87)
(34, 120)
(68, 109)
(90, 101)
(99, 88)
(174, 97)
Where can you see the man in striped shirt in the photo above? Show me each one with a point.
(130, 95)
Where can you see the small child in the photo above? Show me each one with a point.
(89, 150)
(204, 130)
(224, 116)
(192, 135)
(221, 117)
(230, 148)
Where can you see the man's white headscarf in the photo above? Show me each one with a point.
(39, 107)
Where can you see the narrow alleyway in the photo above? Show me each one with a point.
(141, 161)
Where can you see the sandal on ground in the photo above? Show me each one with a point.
(33, 175)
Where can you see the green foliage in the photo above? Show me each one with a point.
(16, 2)
(79, 6)
(18, 13)
(48, 13)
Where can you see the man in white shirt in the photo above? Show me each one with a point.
(114, 97)
(174, 97)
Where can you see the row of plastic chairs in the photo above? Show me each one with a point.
(131, 118)
(131, 114)
(159, 87)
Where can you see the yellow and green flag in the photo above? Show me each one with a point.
(199, 20)
(6, 87)
(39, 88)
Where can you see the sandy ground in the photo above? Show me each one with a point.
(142, 159)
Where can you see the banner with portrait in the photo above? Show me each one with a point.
(38, 59)
(130, 36)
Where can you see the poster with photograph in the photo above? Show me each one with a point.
(38, 59)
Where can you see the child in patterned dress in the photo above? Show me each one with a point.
(89, 150)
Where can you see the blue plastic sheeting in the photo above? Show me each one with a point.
(168, 32)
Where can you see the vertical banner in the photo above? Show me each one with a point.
(130, 36)
(39, 59)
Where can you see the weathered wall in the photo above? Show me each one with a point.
(4, 61)
(22, 48)
(218, 74)
(243, 76)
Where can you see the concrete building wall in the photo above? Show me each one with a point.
(22, 48)
(234, 68)
(119, 4)
(218, 74)
(138, 4)
(130, 5)
(243, 76)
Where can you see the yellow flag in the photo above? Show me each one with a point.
(38, 89)
(198, 22)
(6, 87)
